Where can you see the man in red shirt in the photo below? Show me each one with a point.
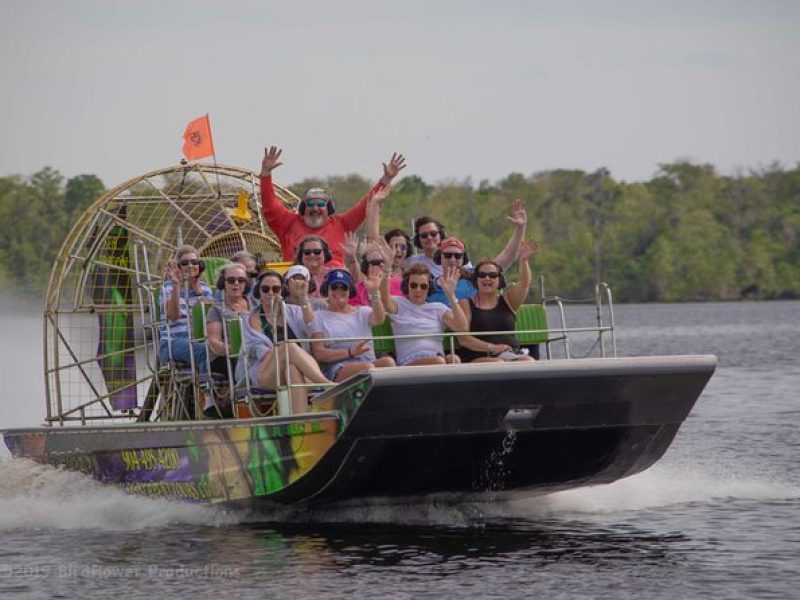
(315, 211)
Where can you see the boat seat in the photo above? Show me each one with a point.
(383, 346)
(531, 325)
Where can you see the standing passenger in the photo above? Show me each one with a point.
(315, 213)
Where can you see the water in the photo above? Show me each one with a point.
(718, 516)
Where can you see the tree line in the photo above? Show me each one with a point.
(687, 234)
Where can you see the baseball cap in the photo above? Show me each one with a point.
(297, 270)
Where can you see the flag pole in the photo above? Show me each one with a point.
(214, 155)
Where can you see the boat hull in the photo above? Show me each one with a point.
(508, 429)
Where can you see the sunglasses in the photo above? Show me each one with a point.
(314, 251)
(414, 285)
(339, 286)
(232, 280)
(425, 235)
(489, 274)
(316, 203)
(458, 255)
(375, 262)
(401, 247)
(189, 261)
(275, 289)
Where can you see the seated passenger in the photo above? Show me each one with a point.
(250, 262)
(234, 283)
(412, 314)
(297, 318)
(266, 350)
(492, 309)
(400, 244)
(179, 293)
(429, 234)
(452, 255)
(314, 253)
(344, 358)
(298, 287)
(374, 259)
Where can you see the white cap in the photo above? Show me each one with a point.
(297, 270)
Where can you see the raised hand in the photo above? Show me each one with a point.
(372, 281)
(449, 281)
(396, 164)
(386, 252)
(271, 160)
(519, 215)
(527, 249)
(173, 271)
(299, 287)
(350, 244)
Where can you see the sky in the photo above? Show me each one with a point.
(466, 90)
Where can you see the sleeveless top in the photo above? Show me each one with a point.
(499, 318)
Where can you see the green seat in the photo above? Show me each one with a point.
(450, 340)
(211, 272)
(385, 346)
(531, 317)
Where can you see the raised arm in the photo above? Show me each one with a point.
(353, 218)
(350, 251)
(516, 295)
(519, 217)
(374, 213)
(454, 318)
(373, 282)
(275, 213)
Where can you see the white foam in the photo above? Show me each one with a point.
(35, 496)
(660, 486)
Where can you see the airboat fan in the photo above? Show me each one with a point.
(101, 306)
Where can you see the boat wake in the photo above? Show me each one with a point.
(35, 496)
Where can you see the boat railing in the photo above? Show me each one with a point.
(604, 327)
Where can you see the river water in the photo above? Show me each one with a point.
(718, 516)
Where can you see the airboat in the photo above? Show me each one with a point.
(453, 432)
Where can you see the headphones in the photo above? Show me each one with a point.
(474, 277)
(260, 278)
(323, 289)
(424, 221)
(418, 270)
(326, 251)
(398, 233)
(188, 249)
(301, 208)
(437, 257)
(221, 280)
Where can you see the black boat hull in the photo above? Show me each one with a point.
(508, 429)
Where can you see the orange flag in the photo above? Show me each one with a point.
(197, 142)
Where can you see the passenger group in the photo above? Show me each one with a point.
(339, 288)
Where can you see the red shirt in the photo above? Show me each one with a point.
(291, 228)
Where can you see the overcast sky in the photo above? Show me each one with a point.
(463, 88)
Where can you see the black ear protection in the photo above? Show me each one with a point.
(397, 233)
(407, 276)
(437, 257)
(501, 284)
(301, 208)
(326, 250)
(221, 282)
(260, 278)
(425, 221)
(201, 265)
